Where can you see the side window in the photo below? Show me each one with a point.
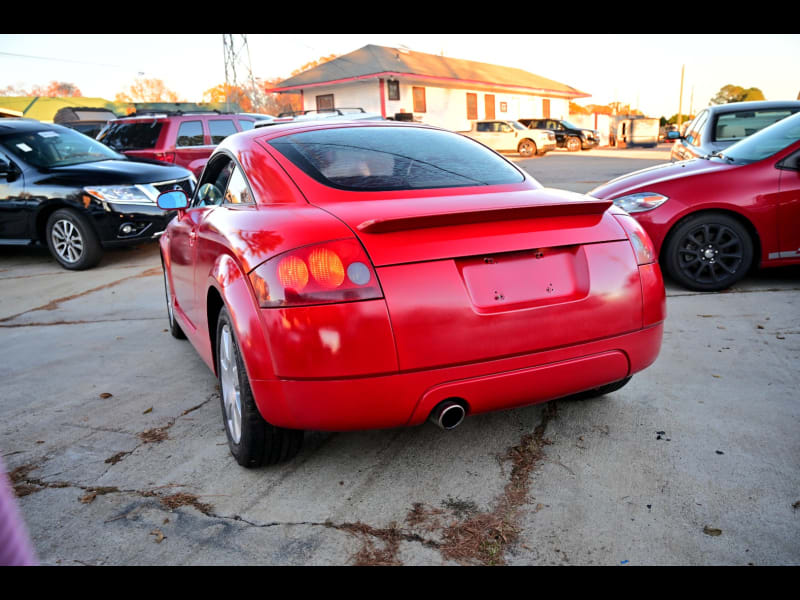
(504, 128)
(220, 129)
(483, 127)
(695, 127)
(213, 183)
(246, 124)
(190, 133)
(238, 191)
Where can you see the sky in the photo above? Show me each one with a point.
(643, 70)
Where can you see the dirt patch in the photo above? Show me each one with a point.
(174, 501)
(157, 434)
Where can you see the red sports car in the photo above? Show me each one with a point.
(713, 218)
(348, 276)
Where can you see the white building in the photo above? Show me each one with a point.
(438, 90)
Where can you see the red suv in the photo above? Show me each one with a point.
(186, 139)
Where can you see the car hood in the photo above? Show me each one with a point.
(658, 175)
(111, 172)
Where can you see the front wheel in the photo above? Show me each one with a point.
(252, 441)
(708, 252)
(527, 148)
(174, 329)
(72, 241)
(573, 144)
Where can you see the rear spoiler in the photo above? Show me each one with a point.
(556, 209)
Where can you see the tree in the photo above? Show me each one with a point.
(314, 63)
(55, 89)
(228, 93)
(734, 93)
(147, 90)
(577, 109)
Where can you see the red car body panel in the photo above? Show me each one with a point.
(455, 319)
(760, 194)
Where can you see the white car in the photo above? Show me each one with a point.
(512, 136)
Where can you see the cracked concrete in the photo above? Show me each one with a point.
(703, 441)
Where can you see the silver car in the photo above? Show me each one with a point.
(717, 127)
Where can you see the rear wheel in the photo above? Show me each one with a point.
(527, 148)
(709, 252)
(252, 441)
(72, 241)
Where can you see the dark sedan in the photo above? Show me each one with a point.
(61, 188)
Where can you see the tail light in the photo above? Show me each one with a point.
(165, 157)
(642, 245)
(337, 271)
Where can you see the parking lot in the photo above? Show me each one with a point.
(111, 431)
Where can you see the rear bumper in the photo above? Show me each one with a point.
(407, 398)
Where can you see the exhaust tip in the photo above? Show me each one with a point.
(448, 414)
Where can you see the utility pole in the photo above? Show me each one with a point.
(680, 101)
(239, 58)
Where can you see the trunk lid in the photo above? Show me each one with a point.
(484, 276)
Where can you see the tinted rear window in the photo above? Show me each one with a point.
(394, 158)
(131, 135)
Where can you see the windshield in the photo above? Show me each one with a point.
(56, 148)
(766, 142)
(517, 125)
(394, 158)
(570, 125)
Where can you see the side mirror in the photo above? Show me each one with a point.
(173, 200)
(7, 170)
(674, 135)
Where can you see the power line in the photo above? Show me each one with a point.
(80, 62)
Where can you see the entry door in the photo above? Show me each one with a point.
(789, 207)
(489, 105)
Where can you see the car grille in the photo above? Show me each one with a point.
(185, 184)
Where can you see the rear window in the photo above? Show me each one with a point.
(738, 125)
(128, 135)
(394, 158)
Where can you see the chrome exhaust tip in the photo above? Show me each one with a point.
(448, 414)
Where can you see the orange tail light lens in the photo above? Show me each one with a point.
(336, 271)
(326, 267)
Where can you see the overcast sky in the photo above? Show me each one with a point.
(641, 70)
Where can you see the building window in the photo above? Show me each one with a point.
(393, 89)
(504, 107)
(325, 102)
(419, 99)
(472, 106)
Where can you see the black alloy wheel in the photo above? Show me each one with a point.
(709, 252)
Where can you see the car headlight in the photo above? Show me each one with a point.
(123, 194)
(640, 202)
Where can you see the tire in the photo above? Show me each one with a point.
(708, 252)
(252, 441)
(174, 329)
(527, 148)
(573, 144)
(72, 241)
(600, 391)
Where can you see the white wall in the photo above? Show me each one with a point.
(445, 107)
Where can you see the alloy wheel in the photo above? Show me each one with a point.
(229, 380)
(710, 253)
(67, 240)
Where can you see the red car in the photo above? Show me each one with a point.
(186, 139)
(712, 219)
(343, 276)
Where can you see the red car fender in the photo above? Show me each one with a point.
(233, 288)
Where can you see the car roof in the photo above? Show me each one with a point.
(14, 124)
(754, 105)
